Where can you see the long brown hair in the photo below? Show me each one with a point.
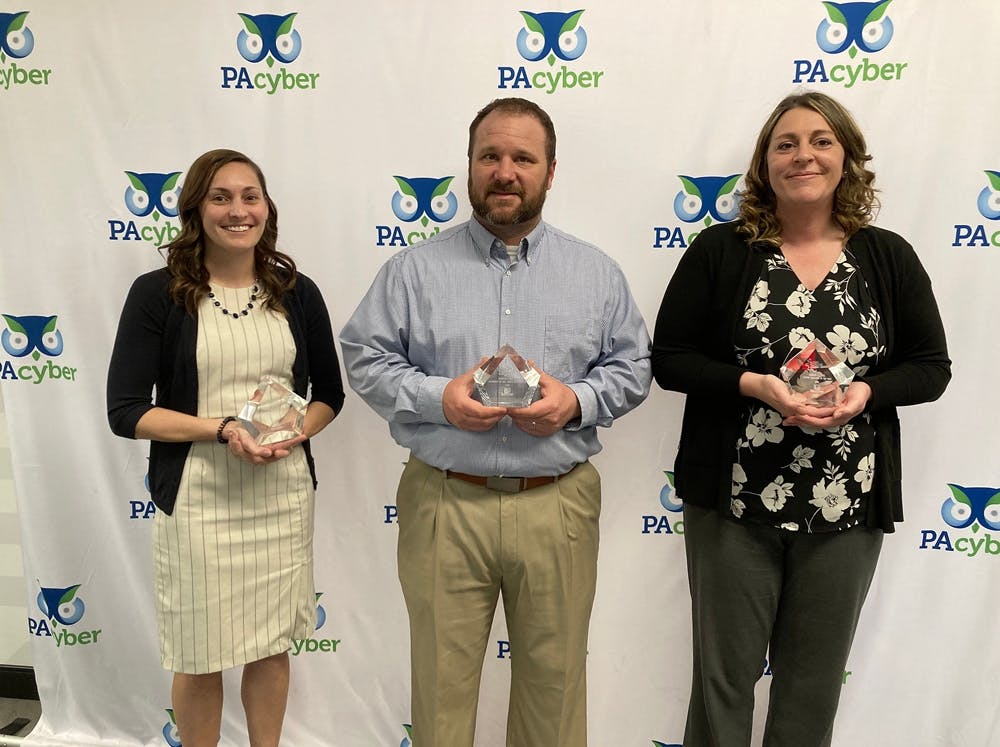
(275, 270)
(854, 202)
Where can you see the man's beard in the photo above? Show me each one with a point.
(528, 208)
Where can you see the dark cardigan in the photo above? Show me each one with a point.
(156, 344)
(693, 353)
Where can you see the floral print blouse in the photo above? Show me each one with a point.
(795, 477)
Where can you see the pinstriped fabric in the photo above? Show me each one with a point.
(233, 564)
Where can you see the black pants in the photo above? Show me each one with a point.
(758, 592)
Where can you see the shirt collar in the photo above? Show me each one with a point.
(489, 245)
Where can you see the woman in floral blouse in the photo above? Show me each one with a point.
(786, 500)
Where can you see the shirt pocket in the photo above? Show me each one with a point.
(572, 346)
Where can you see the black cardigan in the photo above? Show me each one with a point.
(156, 344)
(693, 353)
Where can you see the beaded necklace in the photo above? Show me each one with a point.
(235, 314)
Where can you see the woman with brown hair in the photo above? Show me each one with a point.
(232, 539)
(786, 500)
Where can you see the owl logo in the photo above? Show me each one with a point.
(408, 739)
(425, 198)
(153, 193)
(552, 35)
(170, 733)
(703, 195)
(973, 507)
(268, 36)
(668, 498)
(16, 39)
(31, 334)
(61, 605)
(861, 26)
(320, 612)
(989, 198)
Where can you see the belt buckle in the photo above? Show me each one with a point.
(504, 484)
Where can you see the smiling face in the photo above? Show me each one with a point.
(805, 161)
(509, 174)
(233, 212)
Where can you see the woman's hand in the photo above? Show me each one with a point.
(774, 392)
(855, 399)
(242, 445)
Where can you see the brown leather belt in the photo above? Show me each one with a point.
(502, 484)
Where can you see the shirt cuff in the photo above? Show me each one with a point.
(588, 407)
(429, 400)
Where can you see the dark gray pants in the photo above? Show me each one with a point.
(753, 588)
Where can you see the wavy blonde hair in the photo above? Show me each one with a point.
(275, 270)
(854, 202)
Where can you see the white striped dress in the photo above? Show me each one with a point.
(233, 563)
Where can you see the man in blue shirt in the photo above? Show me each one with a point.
(497, 500)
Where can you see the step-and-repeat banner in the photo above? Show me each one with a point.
(346, 105)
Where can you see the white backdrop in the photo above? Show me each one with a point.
(90, 91)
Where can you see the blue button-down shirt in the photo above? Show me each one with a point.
(437, 308)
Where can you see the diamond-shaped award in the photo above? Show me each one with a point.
(506, 380)
(818, 373)
(273, 413)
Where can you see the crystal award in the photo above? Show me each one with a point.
(818, 373)
(506, 380)
(273, 413)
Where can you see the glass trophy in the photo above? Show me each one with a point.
(818, 373)
(273, 413)
(506, 380)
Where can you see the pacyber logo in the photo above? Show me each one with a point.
(967, 508)
(269, 39)
(169, 731)
(16, 43)
(61, 608)
(418, 199)
(989, 207)
(657, 743)
(408, 739)
(552, 37)
(851, 27)
(150, 194)
(33, 336)
(313, 645)
(701, 200)
(142, 508)
(670, 522)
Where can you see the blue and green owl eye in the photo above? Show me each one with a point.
(556, 33)
(969, 505)
(702, 195)
(31, 334)
(863, 24)
(989, 198)
(424, 198)
(152, 191)
(16, 40)
(268, 34)
(61, 605)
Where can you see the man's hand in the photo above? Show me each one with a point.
(548, 415)
(462, 411)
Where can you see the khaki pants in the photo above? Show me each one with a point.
(460, 547)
